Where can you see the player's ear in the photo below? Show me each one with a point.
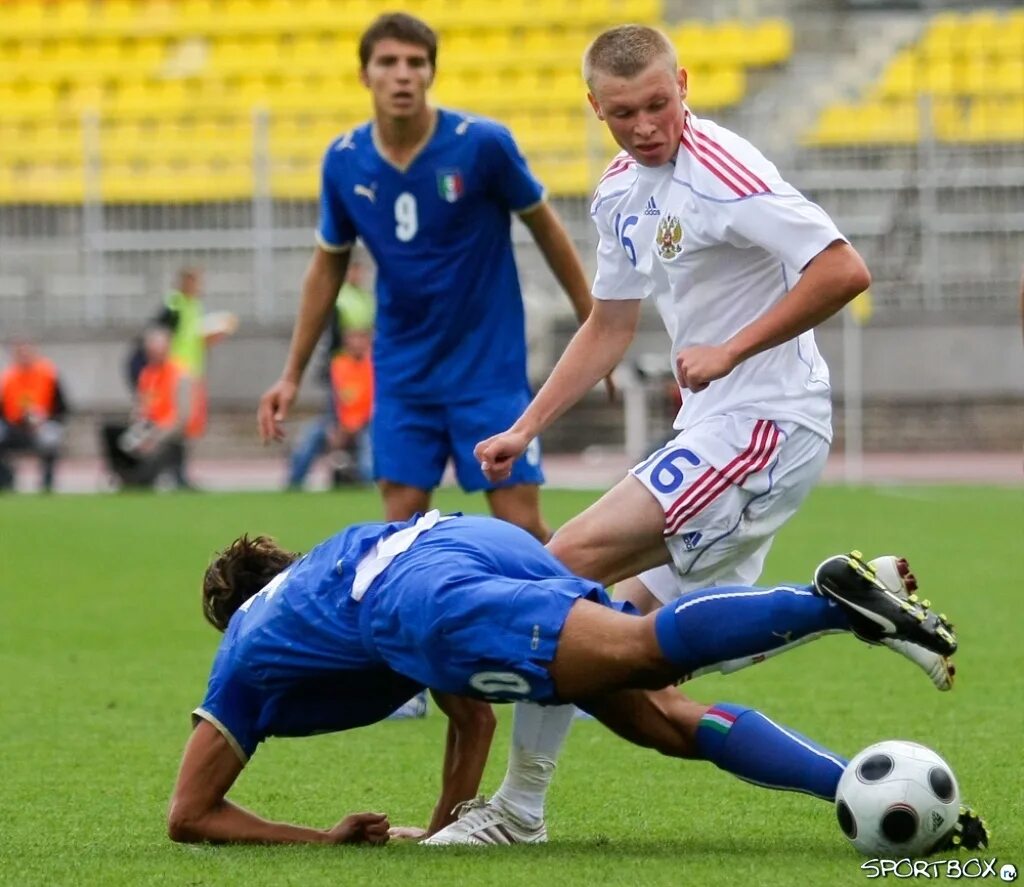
(681, 79)
(363, 78)
(595, 106)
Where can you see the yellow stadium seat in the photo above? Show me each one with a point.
(996, 120)
(902, 76)
(980, 34)
(24, 20)
(943, 36)
(1008, 75)
(694, 44)
(941, 78)
(730, 43)
(770, 42)
(71, 17)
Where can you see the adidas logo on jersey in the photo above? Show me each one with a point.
(652, 208)
(691, 540)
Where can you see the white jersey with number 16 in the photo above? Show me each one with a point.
(717, 238)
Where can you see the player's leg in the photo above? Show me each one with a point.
(620, 536)
(739, 740)
(520, 505)
(410, 450)
(617, 537)
(517, 500)
(601, 651)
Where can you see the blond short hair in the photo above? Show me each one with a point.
(625, 51)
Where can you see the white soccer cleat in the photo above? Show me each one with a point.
(413, 708)
(894, 573)
(482, 822)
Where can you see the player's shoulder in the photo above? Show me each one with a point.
(617, 179)
(724, 165)
(471, 129)
(349, 144)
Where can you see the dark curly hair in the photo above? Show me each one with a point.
(237, 573)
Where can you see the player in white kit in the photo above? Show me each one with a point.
(742, 267)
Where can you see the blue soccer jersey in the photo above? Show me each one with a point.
(472, 606)
(450, 320)
(293, 661)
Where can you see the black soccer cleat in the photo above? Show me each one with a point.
(875, 612)
(970, 833)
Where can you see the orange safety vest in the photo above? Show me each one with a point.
(157, 389)
(30, 389)
(352, 379)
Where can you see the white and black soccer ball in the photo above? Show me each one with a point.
(897, 799)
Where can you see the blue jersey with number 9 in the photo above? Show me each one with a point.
(450, 321)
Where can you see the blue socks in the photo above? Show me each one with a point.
(744, 742)
(718, 624)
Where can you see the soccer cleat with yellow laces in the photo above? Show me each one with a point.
(876, 613)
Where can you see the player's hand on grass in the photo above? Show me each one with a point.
(408, 833)
(361, 828)
(273, 409)
(699, 366)
(498, 454)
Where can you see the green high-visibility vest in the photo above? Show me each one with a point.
(188, 346)
(356, 308)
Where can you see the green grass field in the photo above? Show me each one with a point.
(104, 653)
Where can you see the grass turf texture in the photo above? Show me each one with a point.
(105, 652)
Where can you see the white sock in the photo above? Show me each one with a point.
(538, 733)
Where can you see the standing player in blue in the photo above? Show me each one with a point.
(430, 192)
(475, 608)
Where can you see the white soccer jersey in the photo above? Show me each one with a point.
(717, 239)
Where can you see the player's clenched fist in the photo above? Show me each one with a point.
(699, 366)
(273, 409)
(361, 828)
(498, 454)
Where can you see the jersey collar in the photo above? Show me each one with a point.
(427, 136)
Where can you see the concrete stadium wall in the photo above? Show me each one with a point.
(929, 387)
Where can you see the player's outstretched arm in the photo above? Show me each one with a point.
(831, 279)
(594, 351)
(200, 811)
(323, 280)
(470, 730)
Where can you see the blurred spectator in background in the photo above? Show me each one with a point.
(192, 331)
(352, 390)
(343, 428)
(34, 408)
(153, 442)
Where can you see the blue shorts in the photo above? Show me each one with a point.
(413, 442)
(487, 622)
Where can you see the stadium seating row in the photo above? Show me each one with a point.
(31, 19)
(154, 85)
(726, 44)
(214, 179)
(984, 33)
(491, 92)
(989, 120)
(910, 73)
(970, 66)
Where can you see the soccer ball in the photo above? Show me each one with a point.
(897, 799)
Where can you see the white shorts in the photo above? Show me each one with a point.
(727, 485)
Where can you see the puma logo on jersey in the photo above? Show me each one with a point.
(652, 208)
(368, 193)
